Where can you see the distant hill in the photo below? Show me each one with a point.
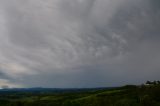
(50, 90)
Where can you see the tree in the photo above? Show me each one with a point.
(148, 82)
(154, 82)
(158, 82)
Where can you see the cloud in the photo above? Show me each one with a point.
(7, 84)
(79, 43)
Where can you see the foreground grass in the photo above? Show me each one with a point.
(145, 95)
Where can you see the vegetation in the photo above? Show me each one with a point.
(130, 95)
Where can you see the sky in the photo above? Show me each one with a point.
(79, 43)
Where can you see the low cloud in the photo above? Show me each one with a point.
(7, 84)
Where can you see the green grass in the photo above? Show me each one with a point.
(122, 96)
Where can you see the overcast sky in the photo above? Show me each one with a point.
(79, 43)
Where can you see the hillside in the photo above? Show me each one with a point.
(130, 95)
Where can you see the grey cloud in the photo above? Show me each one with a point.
(79, 43)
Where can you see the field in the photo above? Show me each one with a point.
(130, 95)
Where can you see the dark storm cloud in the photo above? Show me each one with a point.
(79, 43)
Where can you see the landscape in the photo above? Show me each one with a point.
(79, 52)
(130, 95)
